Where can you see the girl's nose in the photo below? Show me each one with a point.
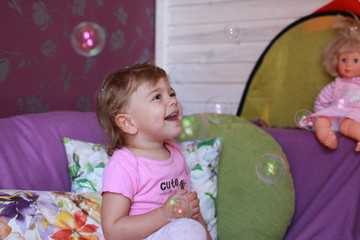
(172, 101)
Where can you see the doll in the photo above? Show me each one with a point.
(337, 107)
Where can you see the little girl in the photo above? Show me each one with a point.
(140, 114)
(337, 106)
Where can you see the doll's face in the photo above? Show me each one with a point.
(349, 64)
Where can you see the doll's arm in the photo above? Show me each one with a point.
(324, 98)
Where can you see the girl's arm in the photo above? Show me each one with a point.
(201, 220)
(117, 224)
(195, 203)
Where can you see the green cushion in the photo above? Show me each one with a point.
(248, 208)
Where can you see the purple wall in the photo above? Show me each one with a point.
(40, 70)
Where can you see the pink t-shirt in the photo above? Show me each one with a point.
(147, 183)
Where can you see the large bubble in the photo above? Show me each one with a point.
(88, 39)
(271, 168)
(194, 127)
(303, 120)
(217, 109)
(178, 207)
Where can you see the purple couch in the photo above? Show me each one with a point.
(326, 182)
(38, 139)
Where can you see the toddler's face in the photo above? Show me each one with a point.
(349, 64)
(156, 111)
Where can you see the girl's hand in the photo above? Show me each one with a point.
(195, 204)
(165, 208)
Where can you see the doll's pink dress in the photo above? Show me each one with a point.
(338, 100)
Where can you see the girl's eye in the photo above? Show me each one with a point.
(356, 60)
(343, 60)
(157, 97)
(173, 94)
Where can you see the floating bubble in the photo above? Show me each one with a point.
(231, 31)
(194, 127)
(271, 168)
(178, 207)
(217, 109)
(303, 119)
(88, 39)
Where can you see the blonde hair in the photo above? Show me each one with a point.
(114, 94)
(348, 40)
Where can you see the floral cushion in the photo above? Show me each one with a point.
(202, 158)
(49, 215)
(87, 161)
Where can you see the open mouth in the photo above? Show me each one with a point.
(173, 116)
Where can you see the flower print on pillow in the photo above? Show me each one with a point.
(202, 158)
(86, 162)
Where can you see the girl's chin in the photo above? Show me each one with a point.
(176, 128)
(177, 132)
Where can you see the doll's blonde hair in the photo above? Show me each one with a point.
(114, 94)
(348, 40)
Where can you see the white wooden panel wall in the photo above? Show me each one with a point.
(201, 61)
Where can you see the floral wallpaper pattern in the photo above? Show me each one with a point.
(39, 68)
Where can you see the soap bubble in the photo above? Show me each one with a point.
(178, 207)
(303, 120)
(271, 168)
(231, 31)
(88, 39)
(194, 127)
(217, 109)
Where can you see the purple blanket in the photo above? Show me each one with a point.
(327, 185)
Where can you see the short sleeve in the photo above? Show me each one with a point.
(120, 175)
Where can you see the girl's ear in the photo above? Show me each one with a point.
(126, 123)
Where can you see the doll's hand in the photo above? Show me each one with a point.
(194, 203)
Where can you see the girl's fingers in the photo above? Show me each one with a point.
(195, 203)
(178, 192)
(191, 196)
(195, 213)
